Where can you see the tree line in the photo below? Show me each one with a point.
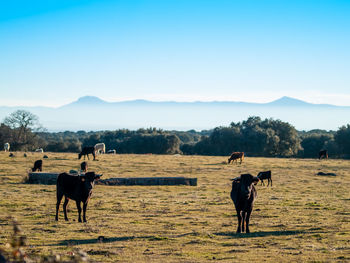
(254, 136)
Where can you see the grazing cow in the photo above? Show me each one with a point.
(235, 156)
(265, 175)
(86, 151)
(100, 148)
(323, 153)
(112, 152)
(243, 194)
(40, 150)
(24, 155)
(6, 147)
(38, 166)
(78, 188)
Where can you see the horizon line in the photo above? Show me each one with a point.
(172, 101)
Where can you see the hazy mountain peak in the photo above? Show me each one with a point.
(90, 100)
(288, 101)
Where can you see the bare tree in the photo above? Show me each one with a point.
(22, 123)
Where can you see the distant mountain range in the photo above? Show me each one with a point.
(284, 101)
(92, 113)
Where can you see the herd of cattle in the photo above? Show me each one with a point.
(99, 148)
(79, 186)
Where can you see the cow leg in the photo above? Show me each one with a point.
(79, 210)
(239, 221)
(243, 219)
(262, 182)
(66, 200)
(247, 221)
(87, 156)
(59, 198)
(84, 211)
(271, 182)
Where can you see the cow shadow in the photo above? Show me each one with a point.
(74, 242)
(232, 234)
(214, 164)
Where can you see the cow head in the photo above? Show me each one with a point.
(91, 176)
(246, 184)
(259, 175)
(89, 179)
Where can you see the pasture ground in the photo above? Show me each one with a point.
(302, 218)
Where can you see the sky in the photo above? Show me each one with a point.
(53, 52)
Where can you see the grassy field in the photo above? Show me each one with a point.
(302, 218)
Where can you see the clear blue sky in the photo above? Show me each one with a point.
(52, 52)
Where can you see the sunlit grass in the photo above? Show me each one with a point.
(303, 217)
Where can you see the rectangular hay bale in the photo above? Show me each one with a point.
(51, 178)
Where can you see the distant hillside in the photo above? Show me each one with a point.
(92, 113)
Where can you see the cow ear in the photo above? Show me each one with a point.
(98, 176)
(237, 179)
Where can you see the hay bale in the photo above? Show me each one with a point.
(42, 178)
(149, 181)
(51, 178)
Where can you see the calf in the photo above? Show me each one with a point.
(235, 156)
(83, 167)
(243, 194)
(78, 188)
(38, 166)
(323, 153)
(86, 151)
(265, 175)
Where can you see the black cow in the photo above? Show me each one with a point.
(265, 175)
(78, 188)
(84, 167)
(38, 166)
(86, 151)
(323, 153)
(243, 194)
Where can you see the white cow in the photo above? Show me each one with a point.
(7, 147)
(112, 151)
(100, 148)
(40, 150)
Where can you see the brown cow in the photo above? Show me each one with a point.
(235, 156)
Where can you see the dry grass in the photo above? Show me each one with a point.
(302, 218)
